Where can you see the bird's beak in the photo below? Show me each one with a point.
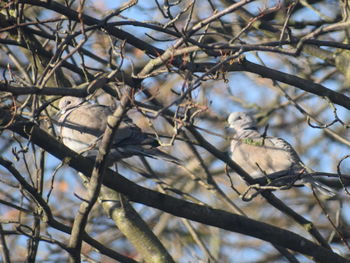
(228, 129)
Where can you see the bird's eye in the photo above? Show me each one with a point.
(239, 118)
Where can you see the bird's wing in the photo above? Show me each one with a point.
(264, 155)
(81, 127)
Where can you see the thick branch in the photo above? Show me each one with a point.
(177, 207)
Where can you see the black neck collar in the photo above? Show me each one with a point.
(251, 128)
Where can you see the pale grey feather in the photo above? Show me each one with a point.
(82, 124)
(260, 156)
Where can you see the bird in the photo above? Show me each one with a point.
(261, 155)
(81, 126)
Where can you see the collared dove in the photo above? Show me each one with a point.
(82, 124)
(260, 155)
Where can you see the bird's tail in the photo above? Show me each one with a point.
(158, 154)
(152, 153)
(320, 187)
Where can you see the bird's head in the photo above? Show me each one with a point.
(67, 103)
(239, 121)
